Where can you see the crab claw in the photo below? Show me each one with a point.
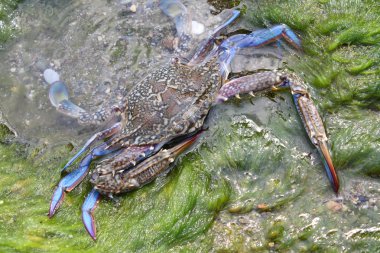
(69, 182)
(88, 208)
(329, 167)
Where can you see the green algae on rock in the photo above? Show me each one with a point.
(7, 29)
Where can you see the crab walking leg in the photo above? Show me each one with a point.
(227, 51)
(125, 159)
(314, 128)
(144, 172)
(96, 137)
(88, 209)
(230, 46)
(266, 36)
(59, 95)
(249, 84)
(59, 98)
(305, 107)
(71, 180)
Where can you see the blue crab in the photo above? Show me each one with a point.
(163, 114)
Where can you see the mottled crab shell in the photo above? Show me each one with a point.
(171, 101)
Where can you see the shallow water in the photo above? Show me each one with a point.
(253, 182)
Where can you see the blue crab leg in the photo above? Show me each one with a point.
(206, 50)
(227, 52)
(88, 208)
(266, 36)
(96, 137)
(230, 46)
(59, 95)
(305, 107)
(59, 98)
(314, 127)
(71, 180)
(252, 83)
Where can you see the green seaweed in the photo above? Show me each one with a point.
(340, 40)
(7, 30)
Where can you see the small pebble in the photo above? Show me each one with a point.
(263, 207)
(41, 65)
(335, 206)
(243, 220)
(57, 63)
(51, 76)
(197, 28)
(133, 8)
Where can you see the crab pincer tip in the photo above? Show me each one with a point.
(91, 229)
(88, 208)
(56, 201)
(89, 224)
(329, 167)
